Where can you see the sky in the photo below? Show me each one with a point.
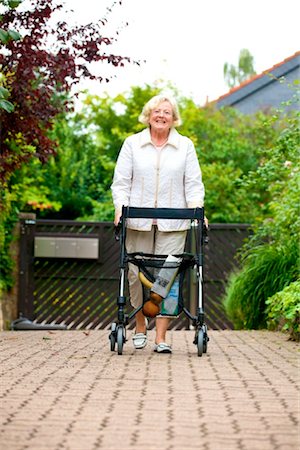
(187, 42)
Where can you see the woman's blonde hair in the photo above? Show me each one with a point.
(154, 102)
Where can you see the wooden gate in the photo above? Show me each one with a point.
(69, 273)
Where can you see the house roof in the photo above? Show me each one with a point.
(257, 82)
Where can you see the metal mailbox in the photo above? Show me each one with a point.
(66, 247)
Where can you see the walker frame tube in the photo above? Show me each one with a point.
(167, 213)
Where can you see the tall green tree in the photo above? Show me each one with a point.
(229, 145)
(235, 75)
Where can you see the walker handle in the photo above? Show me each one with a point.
(162, 213)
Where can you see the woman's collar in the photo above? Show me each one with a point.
(173, 138)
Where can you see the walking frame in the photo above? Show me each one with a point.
(145, 261)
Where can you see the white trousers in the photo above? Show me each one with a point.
(155, 242)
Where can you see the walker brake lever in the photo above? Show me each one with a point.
(205, 233)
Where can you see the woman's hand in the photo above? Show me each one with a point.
(206, 221)
(117, 218)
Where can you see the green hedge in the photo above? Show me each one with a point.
(283, 310)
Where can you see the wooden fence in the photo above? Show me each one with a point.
(69, 273)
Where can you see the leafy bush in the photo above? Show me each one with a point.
(8, 218)
(269, 258)
(283, 310)
(266, 270)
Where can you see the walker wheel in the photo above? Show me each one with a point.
(120, 339)
(200, 342)
(205, 338)
(112, 336)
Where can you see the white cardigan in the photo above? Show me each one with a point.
(151, 178)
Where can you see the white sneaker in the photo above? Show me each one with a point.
(162, 348)
(139, 340)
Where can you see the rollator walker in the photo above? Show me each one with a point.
(152, 266)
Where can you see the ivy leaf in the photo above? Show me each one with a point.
(14, 3)
(4, 93)
(4, 37)
(6, 105)
(14, 35)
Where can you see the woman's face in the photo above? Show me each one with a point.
(161, 117)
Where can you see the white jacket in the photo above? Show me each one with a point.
(151, 178)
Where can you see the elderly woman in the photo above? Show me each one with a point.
(156, 168)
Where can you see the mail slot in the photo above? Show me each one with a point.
(66, 247)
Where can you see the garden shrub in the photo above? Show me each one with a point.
(283, 310)
(266, 270)
(269, 258)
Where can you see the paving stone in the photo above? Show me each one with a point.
(67, 390)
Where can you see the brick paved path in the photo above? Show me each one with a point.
(67, 390)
